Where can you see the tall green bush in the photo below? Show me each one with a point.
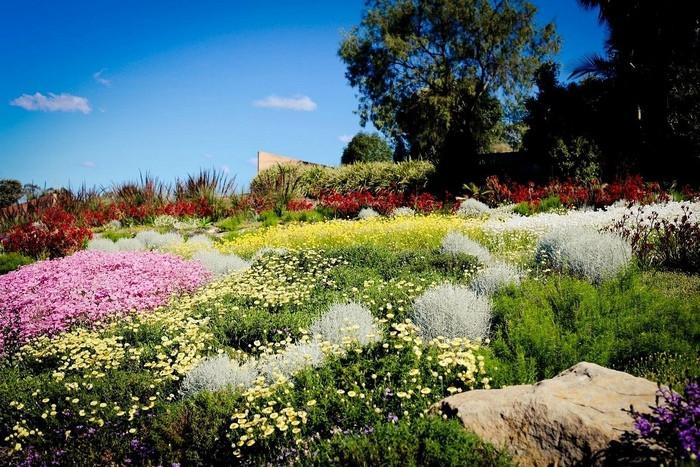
(411, 176)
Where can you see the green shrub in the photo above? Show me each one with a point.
(543, 328)
(365, 147)
(115, 235)
(11, 261)
(429, 441)
(548, 204)
(412, 176)
(231, 223)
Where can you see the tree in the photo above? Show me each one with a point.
(432, 74)
(10, 192)
(365, 147)
(653, 67)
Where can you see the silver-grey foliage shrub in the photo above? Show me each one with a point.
(102, 244)
(218, 372)
(495, 277)
(455, 244)
(129, 244)
(149, 238)
(403, 211)
(367, 213)
(346, 322)
(584, 253)
(293, 359)
(267, 250)
(471, 207)
(219, 263)
(201, 240)
(452, 311)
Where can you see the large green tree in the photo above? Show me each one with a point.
(366, 147)
(432, 75)
(10, 192)
(652, 68)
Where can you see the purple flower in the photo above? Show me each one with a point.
(674, 423)
(392, 418)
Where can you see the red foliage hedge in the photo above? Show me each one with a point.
(350, 204)
(55, 234)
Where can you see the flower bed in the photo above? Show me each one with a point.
(49, 297)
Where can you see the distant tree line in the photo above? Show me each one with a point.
(447, 80)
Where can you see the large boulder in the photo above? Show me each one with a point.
(571, 419)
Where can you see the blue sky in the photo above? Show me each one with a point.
(170, 87)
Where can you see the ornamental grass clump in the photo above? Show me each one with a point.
(220, 264)
(346, 323)
(584, 253)
(471, 207)
(455, 244)
(493, 278)
(216, 373)
(452, 311)
(50, 297)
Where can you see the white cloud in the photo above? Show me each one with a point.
(88, 164)
(298, 103)
(253, 161)
(345, 138)
(52, 103)
(225, 169)
(98, 76)
(208, 156)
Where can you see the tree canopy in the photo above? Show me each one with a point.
(366, 147)
(433, 75)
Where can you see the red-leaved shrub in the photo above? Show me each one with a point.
(55, 234)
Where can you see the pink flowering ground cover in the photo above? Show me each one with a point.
(52, 296)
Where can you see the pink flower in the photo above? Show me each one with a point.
(52, 296)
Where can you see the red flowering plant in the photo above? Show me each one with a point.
(385, 201)
(571, 193)
(299, 205)
(56, 233)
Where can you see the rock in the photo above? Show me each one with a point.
(570, 419)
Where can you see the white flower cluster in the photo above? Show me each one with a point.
(595, 219)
